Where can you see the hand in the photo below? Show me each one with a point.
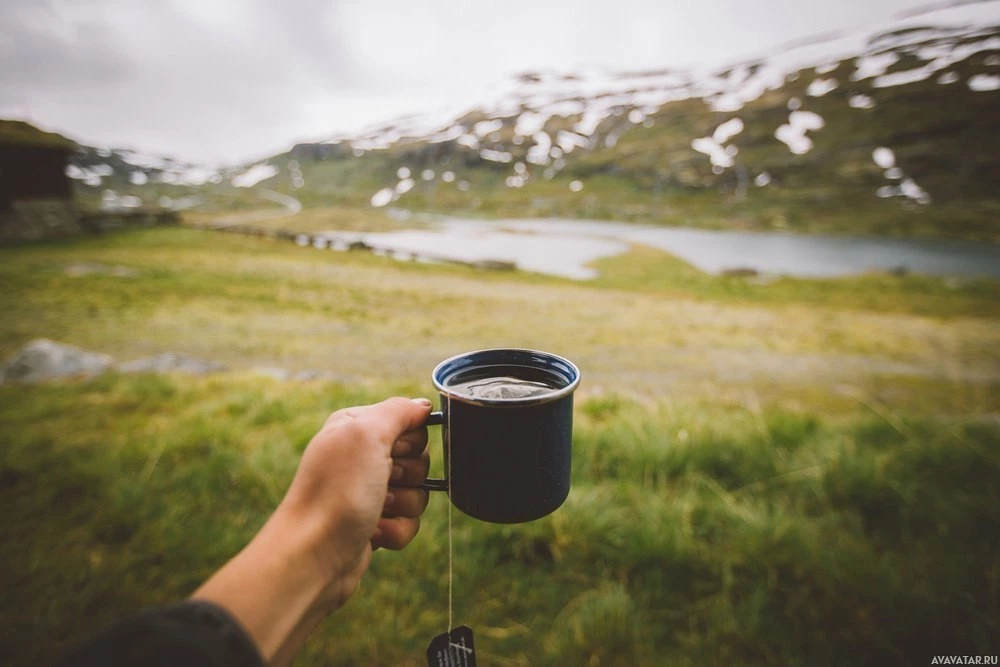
(355, 485)
(353, 493)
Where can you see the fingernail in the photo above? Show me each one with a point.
(389, 497)
(422, 401)
(397, 473)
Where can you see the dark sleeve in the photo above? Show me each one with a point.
(193, 634)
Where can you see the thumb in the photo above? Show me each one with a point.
(395, 416)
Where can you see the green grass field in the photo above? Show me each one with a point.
(799, 473)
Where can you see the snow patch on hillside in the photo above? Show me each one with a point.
(984, 82)
(254, 175)
(793, 133)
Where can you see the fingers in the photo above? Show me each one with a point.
(395, 532)
(411, 443)
(410, 472)
(400, 518)
(405, 498)
(405, 502)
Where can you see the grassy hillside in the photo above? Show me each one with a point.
(800, 473)
(20, 133)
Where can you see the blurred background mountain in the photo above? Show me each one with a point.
(889, 130)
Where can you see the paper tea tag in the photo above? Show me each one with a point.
(452, 649)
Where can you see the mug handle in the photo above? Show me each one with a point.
(435, 418)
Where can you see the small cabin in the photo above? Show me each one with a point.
(36, 196)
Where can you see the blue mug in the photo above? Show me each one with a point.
(507, 457)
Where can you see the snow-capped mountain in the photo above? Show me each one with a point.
(907, 50)
(888, 128)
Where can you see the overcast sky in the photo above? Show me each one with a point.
(230, 80)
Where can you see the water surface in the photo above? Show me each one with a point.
(565, 247)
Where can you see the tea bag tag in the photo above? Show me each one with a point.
(452, 649)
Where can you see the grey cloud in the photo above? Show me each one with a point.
(39, 48)
(309, 34)
(171, 76)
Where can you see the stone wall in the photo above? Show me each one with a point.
(107, 221)
(58, 218)
(39, 219)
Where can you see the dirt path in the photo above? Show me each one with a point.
(289, 206)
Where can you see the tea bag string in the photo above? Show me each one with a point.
(451, 483)
(452, 644)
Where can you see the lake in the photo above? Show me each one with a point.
(565, 247)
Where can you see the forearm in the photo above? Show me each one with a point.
(308, 558)
(275, 587)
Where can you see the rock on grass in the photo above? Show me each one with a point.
(43, 359)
